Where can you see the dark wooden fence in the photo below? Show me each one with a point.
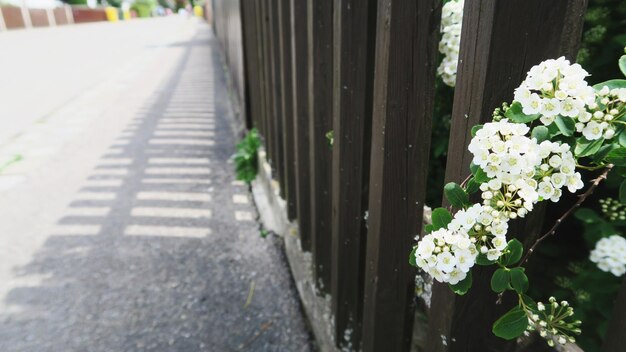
(365, 70)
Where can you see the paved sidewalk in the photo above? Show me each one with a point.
(123, 229)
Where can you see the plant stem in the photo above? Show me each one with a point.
(581, 199)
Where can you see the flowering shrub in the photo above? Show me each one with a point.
(531, 151)
(451, 20)
(609, 255)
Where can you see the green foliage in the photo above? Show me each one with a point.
(463, 286)
(512, 253)
(457, 197)
(515, 114)
(604, 38)
(441, 218)
(246, 162)
(330, 138)
(519, 280)
(500, 280)
(144, 8)
(511, 325)
(76, 2)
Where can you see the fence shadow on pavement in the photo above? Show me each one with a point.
(160, 248)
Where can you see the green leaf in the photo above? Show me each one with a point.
(472, 186)
(612, 84)
(622, 139)
(602, 153)
(587, 216)
(622, 64)
(566, 125)
(476, 129)
(441, 218)
(585, 147)
(481, 259)
(513, 253)
(511, 325)
(429, 228)
(617, 157)
(456, 195)
(622, 192)
(519, 280)
(463, 286)
(481, 176)
(500, 280)
(515, 114)
(412, 257)
(540, 133)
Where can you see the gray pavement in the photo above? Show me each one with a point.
(121, 225)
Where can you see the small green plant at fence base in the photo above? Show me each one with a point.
(557, 124)
(330, 138)
(246, 162)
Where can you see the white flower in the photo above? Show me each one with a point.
(592, 131)
(574, 182)
(610, 255)
(446, 255)
(545, 190)
(451, 20)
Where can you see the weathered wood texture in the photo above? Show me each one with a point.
(277, 93)
(320, 80)
(289, 164)
(268, 89)
(252, 70)
(615, 340)
(353, 66)
(501, 40)
(299, 46)
(228, 29)
(404, 83)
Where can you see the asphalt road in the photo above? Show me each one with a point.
(121, 225)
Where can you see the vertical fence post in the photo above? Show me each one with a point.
(615, 339)
(277, 92)
(269, 83)
(261, 68)
(250, 46)
(289, 179)
(320, 55)
(354, 40)
(302, 143)
(501, 40)
(404, 84)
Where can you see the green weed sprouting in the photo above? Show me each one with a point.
(246, 162)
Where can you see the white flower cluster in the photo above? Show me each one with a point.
(555, 87)
(521, 173)
(600, 123)
(552, 323)
(610, 255)
(446, 255)
(451, 20)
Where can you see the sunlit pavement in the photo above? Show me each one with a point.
(121, 225)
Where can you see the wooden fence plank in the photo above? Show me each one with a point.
(615, 339)
(354, 41)
(289, 173)
(320, 54)
(250, 46)
(299, 9)
(406, 43)
(261, 68)
(277, 92)
(501, 40)
(268, 88)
